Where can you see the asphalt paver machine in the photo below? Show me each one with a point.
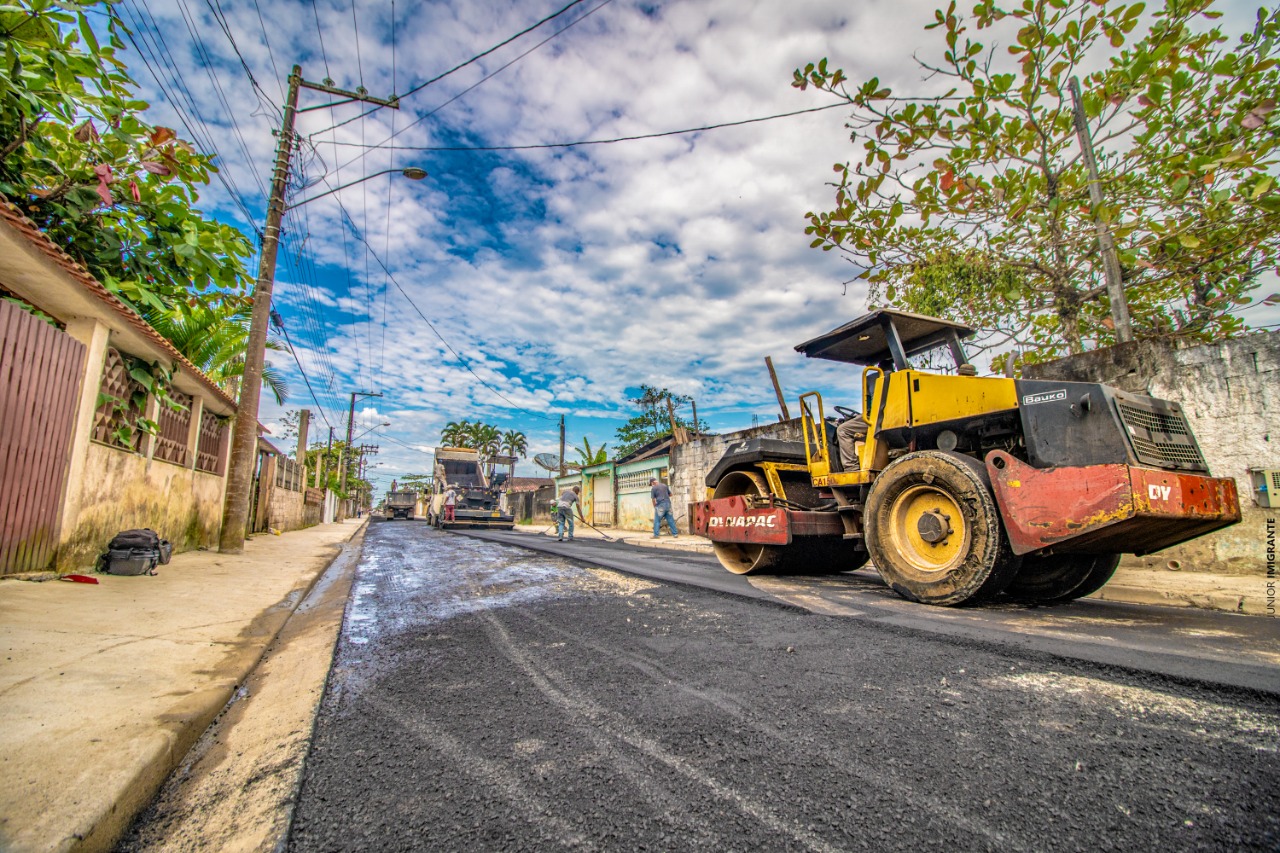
(478, 502)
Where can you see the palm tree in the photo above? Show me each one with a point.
(456, 434)
(488, 440)
(589, 456)
(515, 444)
(214, 337)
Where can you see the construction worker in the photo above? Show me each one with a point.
(564, 512)
(661, 495)
(450, 501)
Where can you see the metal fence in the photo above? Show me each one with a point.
(41, 366)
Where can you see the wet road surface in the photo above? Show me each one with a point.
(491, 697)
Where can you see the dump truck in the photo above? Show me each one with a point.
(478, 502)
(958, 487)
(400, 503)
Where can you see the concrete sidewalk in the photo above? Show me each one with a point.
(104, 688)
(1206, 590)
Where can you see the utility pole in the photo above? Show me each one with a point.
(1110, 260)
(562, 445)
(304, 420)
(370, 450)
(351, 428)
(244, 437)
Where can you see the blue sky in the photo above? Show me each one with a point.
(562, 278)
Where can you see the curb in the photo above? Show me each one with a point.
(177, 739)
(1220, 601)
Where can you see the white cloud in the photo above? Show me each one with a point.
(565, 277)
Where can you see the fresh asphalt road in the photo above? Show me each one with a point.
(1198, 645)
(487, 696)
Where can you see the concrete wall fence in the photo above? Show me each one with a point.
(532, 507)
(1230, 392)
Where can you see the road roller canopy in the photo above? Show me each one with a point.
(888, 337)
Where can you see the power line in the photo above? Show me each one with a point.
(320, 33)
(482, 79)
(280, 325)
(150, 51)
(202, 52)
(425, 319)
(591, 141)
(266, 39)
(215, 6)
(386, 437)
(501, 44)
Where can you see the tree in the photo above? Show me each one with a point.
(321, 454)
(588, 456)
(456, 434)
(417, 482)
(487, 439)
(114, 192)
(654, 421)
(976, 203)
(514, 444)
(212, 337)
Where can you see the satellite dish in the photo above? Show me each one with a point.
(550, 461)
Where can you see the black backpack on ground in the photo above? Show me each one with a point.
(135, 552)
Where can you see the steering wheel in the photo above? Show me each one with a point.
(845, 412)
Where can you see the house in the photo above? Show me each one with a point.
(75, 468)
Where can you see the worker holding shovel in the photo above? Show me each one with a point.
(564, 512)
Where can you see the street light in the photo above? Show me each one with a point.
(235, 511)
(371, 429)
(413, 173)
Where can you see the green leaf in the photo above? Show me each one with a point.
(87, 33)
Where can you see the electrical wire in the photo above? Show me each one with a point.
(207, 61)
(150, 52)
(320, 32)
(406, 445)
(266, 39)
(470, 61)
(491, 74)
(386, 248)
(297, 361)
(465, 363)
(593, 141)
(215, 6)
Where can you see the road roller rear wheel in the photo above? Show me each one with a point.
(1059, 578)
(934, 532)
(804, 556)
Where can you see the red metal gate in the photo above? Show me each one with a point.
(40, 370)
